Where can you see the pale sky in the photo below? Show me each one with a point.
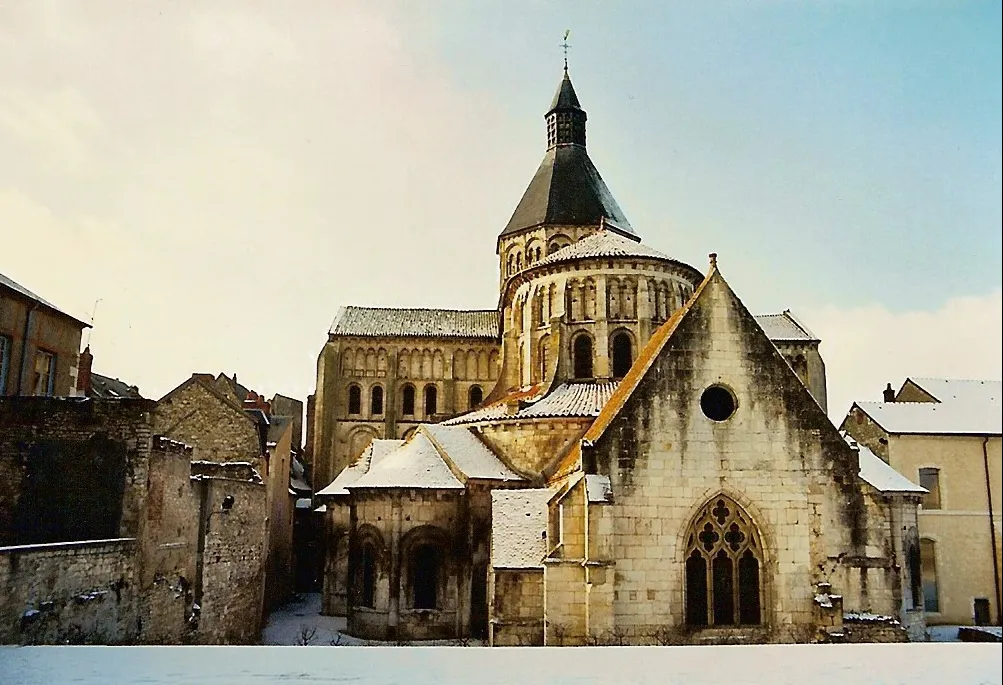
(223, 175)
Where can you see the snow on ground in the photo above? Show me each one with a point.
(884, 664)
(299, 623)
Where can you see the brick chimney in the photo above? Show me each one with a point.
(888, 393)
(84, 362)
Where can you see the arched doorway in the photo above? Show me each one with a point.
(724, 561)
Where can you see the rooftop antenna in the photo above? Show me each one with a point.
(93, 313)
(566, 46)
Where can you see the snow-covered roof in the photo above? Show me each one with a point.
(972, 392)
(566, 400)
(784, 327)
(415, 464)
(602, 244)
(880, 476)
(519, 528)
(415, 323)
(965, 408)
(374, 453)
(598, 488)
(468, 453)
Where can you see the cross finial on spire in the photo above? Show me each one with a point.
(566, 46)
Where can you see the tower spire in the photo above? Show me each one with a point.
(565, 118)
(566, 46)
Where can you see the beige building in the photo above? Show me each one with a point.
(623, 453)
(39, 344)
(945, 434)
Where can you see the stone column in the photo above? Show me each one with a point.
(393, 610)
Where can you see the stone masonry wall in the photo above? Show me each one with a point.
(778, 457)
(69, 592)
(71, 469)
(202, 418)
(233, 561)
(517, 607)
(532, 445)
(168, 545)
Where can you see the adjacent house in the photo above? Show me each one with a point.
(38, 344)
(945, 434)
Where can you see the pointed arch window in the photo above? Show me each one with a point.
(723, 567)
(582, 350)
(354, 399)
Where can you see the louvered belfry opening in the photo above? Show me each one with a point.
(723, 567)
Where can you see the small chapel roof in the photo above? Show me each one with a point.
(879, 475)
(435, 457)
(415, 464)
(468, 453)
(373, 453)
(567, 400)
(415, 322)
(519, 528)
(784, 327)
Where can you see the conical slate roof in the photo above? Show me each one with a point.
(565, 97)
(567, 188)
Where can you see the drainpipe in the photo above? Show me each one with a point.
(992, 526)
(24, 348)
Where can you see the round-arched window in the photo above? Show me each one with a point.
(718, 403)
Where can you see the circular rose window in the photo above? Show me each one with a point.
(717, 403)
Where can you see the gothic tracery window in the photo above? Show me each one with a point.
(723, 567)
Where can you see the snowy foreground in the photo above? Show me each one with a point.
(908, 664)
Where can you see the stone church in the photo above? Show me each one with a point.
(620, 453)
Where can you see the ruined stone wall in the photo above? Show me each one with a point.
(72, 469)
(233, 561)
(168, 545)
(517, 607)
(218, 430)
(69, 592)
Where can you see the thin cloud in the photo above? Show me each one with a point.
(866, 347)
